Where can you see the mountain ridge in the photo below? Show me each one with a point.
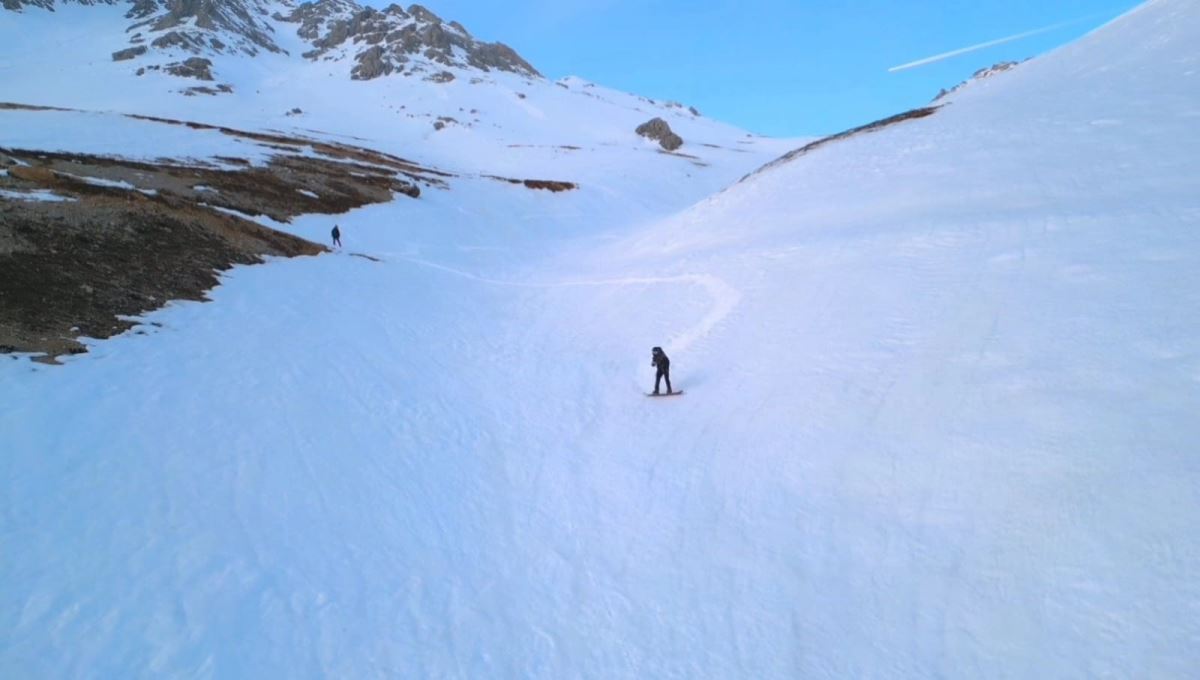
(377, 42)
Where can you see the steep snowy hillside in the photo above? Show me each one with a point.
(941, 376)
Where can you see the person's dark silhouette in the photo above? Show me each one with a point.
(337, 236)
(659, 359)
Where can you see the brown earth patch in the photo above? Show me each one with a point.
(336, 151)
(542, 184)
(274, 190)
(133, 235)
(11, 106)
(549, 185)
(294, 144)
(74, 268)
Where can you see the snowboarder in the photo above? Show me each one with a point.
(659, 359)
(337, 236)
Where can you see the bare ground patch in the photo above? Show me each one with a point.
(73, 268)
(551, 185)
(88, 240)
(118, 237)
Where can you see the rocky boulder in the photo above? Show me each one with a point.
(661, 132)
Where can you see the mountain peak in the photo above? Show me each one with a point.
(204, 25)
(379, 42)
(393, 40)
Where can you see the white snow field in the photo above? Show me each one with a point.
(943, 386)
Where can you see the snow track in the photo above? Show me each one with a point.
(724, 297)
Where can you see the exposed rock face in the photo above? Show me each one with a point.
(981, 74)
(195, 25)
(372, 63)
(658, 130)
(125, 55)
(393, 40)
(196, 67)
(377, 42)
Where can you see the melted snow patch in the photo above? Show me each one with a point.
(101, 182)
(38, 196)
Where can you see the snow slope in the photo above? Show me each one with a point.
(942, 382)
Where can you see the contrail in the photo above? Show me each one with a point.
(990, 43)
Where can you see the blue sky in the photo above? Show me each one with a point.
(776, 67)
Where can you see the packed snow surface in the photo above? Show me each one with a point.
(942, 384)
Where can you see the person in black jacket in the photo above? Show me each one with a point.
(337, 236)
(659, 359)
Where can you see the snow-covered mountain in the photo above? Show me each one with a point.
(378, 41)
(405, 80)
(941, 377)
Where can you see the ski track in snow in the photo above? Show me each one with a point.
(725, 298)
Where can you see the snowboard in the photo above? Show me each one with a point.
(676, 393)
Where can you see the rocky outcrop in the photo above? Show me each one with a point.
(196, 67)
(376, 42)
(395, 40)
(198, 26)
(658, 130)
(206, 25)
(372, 63)
(981, 74)
(127, 54)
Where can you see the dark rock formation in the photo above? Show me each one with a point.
(195, 67)
(126, 54)
(389, 40)
(981, 74)
(194, 24)
(371, 64)
(380, 42)
(658, 130)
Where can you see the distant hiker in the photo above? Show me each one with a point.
(337, 236)
(659, 360)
